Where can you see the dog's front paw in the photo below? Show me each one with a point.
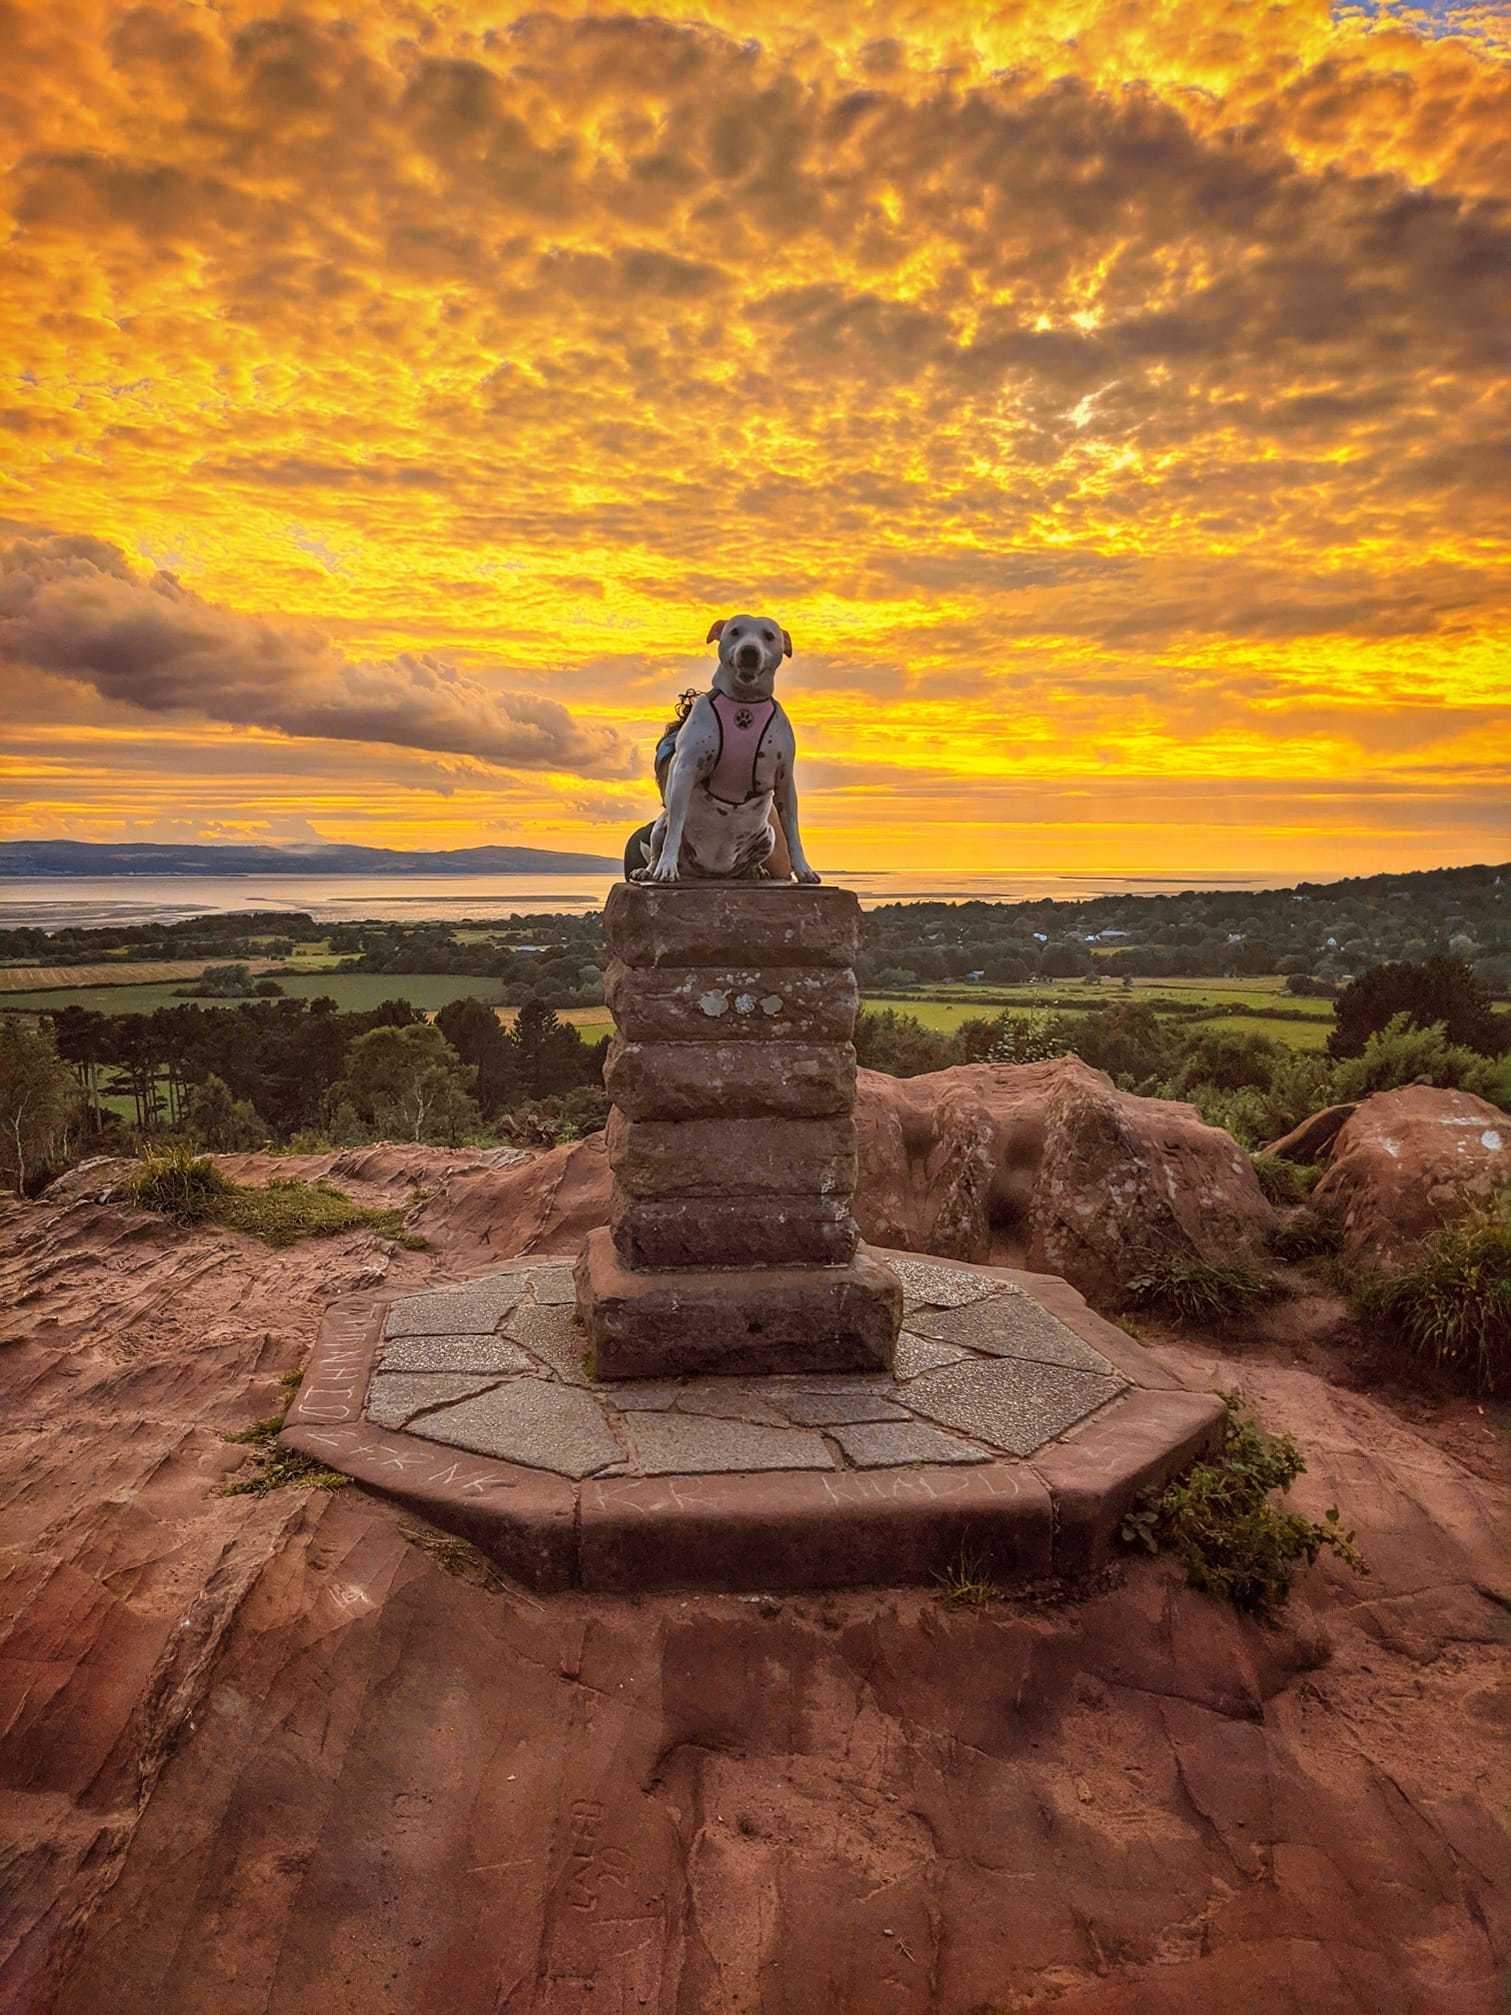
(657, 874)
(806, 874)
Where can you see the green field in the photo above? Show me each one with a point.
(941, 1007)
(352, 992)
(1305, 1024)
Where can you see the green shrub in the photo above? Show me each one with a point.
(181, 1184)
(1305, 1234)
(1193, 1290)
(1218, 1519)
(1283, 1181)
(1452, 1308)
(1401, 1053)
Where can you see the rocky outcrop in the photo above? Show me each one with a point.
(265, 1755)
(1050, 1166)
(1405, 1163)
(1312, 1141)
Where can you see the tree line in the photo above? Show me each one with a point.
(303, 1074)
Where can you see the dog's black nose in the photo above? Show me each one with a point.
(748, 654)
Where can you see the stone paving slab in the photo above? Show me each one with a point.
(821, 1409)
(1010, 1403)
(928, 1284)
(454, 1353)
(1010, 1326)
(553, 1338)
(888, 1444)
(529, 1421)
(474, 1310)
(395, 1397)
(915, 1354)
(979, 1434)
(679, 1444)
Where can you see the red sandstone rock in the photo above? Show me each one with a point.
(1044, 1165)
(1314, 1137)
(716, 923)
(263, 1756)
(1406, 1163)
(733, 1231)
(690, 1321)
(731, 1003)
(1049, 1166)
(697, 1080)
(732, 1157)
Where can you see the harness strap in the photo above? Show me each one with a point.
(743, 728)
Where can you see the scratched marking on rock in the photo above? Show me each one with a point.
(592, 1866)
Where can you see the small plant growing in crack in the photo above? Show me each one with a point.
(276, 1467)
(966, 1584)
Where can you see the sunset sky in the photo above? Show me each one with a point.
(1113, 401)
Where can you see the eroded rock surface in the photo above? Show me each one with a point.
(1405, 1163)
(268, 1755)
(1050, 1166)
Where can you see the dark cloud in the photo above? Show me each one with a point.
(73, 606)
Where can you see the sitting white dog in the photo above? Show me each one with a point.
(732, 760)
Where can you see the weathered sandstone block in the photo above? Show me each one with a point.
(697, 1080)
(706, 1231)
(732, 923)
(733, 1157)
(765, 1319)
(731, 1003)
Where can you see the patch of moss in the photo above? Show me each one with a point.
(191, 1190)
(456, 1556)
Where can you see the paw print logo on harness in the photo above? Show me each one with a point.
(744, 718)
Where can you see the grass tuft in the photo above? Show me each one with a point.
(1452, 1309)
(966, 1584)
(456, 1556)
(1192, 1289)
(278, 1467)
(1305, 1234)
(180, 1184)
(1218, 1519)
(1282, 1181)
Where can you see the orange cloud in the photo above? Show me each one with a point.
(1111, 398)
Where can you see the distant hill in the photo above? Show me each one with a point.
(85, 857)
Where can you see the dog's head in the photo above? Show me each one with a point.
(751, 648)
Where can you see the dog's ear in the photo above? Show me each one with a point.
(786, 645)
(714, 629)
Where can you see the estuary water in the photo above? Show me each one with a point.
(51, 902)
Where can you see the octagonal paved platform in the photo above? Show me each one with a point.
(1014, 1430)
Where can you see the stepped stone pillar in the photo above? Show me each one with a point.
(731, 1245)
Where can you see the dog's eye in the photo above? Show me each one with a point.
(769, 635)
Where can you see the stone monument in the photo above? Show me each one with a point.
(731, 1246)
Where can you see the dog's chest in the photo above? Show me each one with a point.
(746, 762)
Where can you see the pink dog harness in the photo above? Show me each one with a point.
(743, 727)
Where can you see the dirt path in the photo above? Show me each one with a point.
(269, 1755)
